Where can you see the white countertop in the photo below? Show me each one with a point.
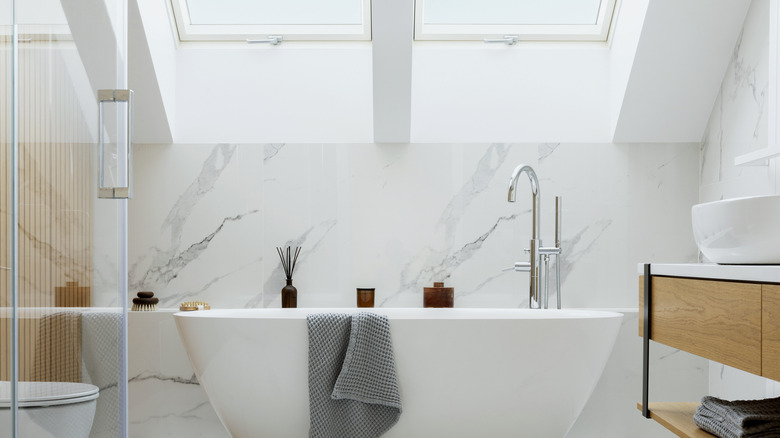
(755, 273)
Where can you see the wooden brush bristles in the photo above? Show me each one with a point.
(194, 305)
(145, 302)
(144, 307)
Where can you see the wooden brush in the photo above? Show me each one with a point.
(145, 302)
(189, 306)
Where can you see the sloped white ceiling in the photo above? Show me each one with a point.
(655, 81)
(682, 55)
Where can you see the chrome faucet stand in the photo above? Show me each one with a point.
(538, 265)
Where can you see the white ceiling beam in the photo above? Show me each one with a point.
(392, 37)
(92, 29)
(152, 117)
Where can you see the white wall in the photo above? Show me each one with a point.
(238, 93)
(462, 92)
(467, 92)
(627, 31)
(157, 24)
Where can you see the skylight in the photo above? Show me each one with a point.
(560, 20)
(199, 20)
(283, 20)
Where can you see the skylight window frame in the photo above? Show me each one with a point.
(524, 32)
(289, 32)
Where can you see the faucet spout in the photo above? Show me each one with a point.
(524, 168)
(534, 297)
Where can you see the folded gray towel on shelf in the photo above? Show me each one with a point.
(353, 389)
(740, 418)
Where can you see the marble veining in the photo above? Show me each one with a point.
(430, 264)
(738, 123)
(479, 181)
(167, 259)
(168, 408)
(333, 210)
(157, 277)
(394, 217)
(439, 265)
(270, 150)
(310, 242)
(179, 213)
(151, 375)
(184, 241)
(53, 255)
(573, 251)
(744, 79)
(189, 414)
(547, 149)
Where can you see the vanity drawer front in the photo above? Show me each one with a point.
(771, 332)
(717, 320)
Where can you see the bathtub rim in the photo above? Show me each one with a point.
(408, 313)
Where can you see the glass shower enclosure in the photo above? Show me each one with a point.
(65, 180)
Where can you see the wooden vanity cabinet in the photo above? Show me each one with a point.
(770, 330)
(731, 322)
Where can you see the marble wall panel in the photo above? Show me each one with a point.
(206, 219)
(196, 224)
(739, 124)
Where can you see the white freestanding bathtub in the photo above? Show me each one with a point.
(461, 372)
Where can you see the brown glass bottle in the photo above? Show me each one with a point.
(289, 295)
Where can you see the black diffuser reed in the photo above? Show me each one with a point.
(289, 292)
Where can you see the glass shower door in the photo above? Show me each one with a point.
(66, 143)
(6, 191)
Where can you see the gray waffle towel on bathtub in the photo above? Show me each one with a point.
(353, 390)
(740, 418)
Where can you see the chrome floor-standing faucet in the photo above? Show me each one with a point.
(538, 296)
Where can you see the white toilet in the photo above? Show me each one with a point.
(50, 409)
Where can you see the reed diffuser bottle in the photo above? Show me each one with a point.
(289, 292)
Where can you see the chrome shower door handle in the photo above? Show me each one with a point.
(116, 192)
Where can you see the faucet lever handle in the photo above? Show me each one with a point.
(545, 250)
(522, 267)
(519, 267)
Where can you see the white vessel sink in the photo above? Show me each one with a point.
(739, 231)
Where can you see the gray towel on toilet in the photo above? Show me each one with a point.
(740, 418)
(353, 390)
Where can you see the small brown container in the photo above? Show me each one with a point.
(438, 296)
(365, 297)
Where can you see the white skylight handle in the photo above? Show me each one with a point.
(273, 40)
(509, 40)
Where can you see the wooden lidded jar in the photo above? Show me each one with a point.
(438, 296)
